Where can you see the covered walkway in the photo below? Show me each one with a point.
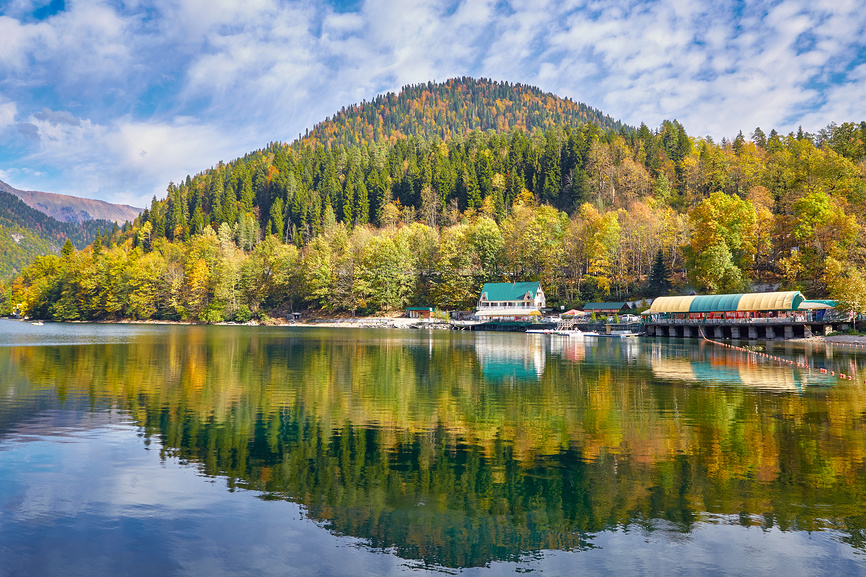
(744, 315)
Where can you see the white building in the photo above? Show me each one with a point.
(505, 301)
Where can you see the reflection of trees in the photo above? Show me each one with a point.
(402, 440)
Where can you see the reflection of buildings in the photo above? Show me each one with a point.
(569, 348)
(733, 368)
(578, 349)
(732, 373)
(510, 356)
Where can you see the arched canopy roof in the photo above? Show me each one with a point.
(778, 301)
(817, 304)
(749, 302)
(671, 304)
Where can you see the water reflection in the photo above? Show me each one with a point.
(411, 442)
(510, 356)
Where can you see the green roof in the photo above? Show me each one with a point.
(509, 291)
(743, 302)
(828, 302)
(606, 306)
(715, 303)
(419, 308)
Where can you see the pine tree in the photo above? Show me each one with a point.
(68, 249)
(659, 282)
(276, 224)
(97, 243)
(552, 173)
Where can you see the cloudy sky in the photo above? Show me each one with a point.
(113, 99)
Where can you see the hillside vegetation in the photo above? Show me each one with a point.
(26, 233)
(364, 215)
(455, 107)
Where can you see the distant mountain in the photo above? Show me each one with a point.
(66, 208)
(26, 233)
(452, 108)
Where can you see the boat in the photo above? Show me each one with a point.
(613, 334)
(570, 333)
(624, 334)
(37, 324)
(541, 331)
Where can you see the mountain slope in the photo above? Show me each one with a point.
(451, 108)
(66, 208)
(26, 233)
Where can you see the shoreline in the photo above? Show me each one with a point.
(324, 322)
(385, 322)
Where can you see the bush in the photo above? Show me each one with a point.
(213, 313)
(243, 314)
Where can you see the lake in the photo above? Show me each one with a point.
(194, 450)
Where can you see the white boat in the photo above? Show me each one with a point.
(616, 334)
(541, 331)
(572, 333)
(37, 324)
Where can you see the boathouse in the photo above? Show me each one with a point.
(419, 312)
(506, 301)
(606, 308)
(785, 314)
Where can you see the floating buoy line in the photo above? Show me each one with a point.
(759, 354)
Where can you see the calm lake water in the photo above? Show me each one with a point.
(171, 450)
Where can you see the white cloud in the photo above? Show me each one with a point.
(19, 40)
(128, 161)
(192, 82)
(8, 111)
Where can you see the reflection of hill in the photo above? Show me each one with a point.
(404, 441)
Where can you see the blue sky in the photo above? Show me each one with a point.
(112, 100)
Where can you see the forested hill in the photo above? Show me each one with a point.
(455, 107)
(26, 233)
(593, 212)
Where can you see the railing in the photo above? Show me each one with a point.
(751, 321)
(499, 309)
